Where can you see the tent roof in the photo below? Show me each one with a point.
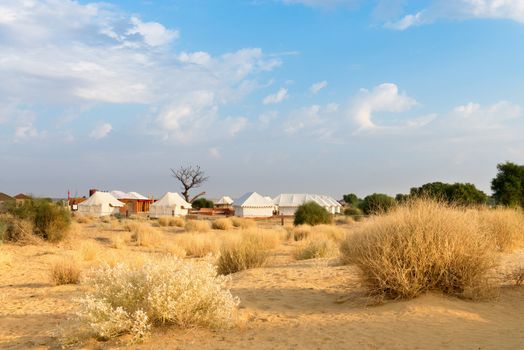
(22, 196)
(99, 198)
(253, 199)
(296, 199)
(127, 195)
(170, 199)
(5, 197)
(224, 200)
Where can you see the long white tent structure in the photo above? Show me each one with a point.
(171, 204)
(100, 204)
(253, 205)
(288, 203)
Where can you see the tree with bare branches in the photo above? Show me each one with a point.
(190, 177)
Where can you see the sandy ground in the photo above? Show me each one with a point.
(313, 304)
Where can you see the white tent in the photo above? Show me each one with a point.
(171, 204)
(128, 195)
(100, 204)
(288, 203)
(252, 204)
(224, 201)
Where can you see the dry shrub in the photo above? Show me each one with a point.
(420, 246)
(20, 231)
(198, 226)
(344, 220)
(300, 232)
(516, 275)
(118, 241)
(84, 219)
(243, 222)
(263, 238)
(168, 291)
(176, 250)
(330, 231)
(222, 224)
(313, 248)
(171, 221)
(505, 226)
(143, 234)
(89, 250)
(241, 254)
(197, 245)
(106, 219)
(65, 272)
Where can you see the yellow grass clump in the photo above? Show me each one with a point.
(143, 234)
(89, 250)
(197, 226)
(173, 221)
(222, 224)
(168, 291)
(197, 245)
(242, 222)
(420, 246)
(65, 272)
(241, 254)
(505, 226)
(344, 220)
(263, 238)
(176, 250)
(84, 219)
(332, 232)
(20, 231)
(320, 246)
(300, 232)
(118, 241)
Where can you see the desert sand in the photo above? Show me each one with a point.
(289, 304)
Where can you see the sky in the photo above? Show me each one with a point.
(292, 96)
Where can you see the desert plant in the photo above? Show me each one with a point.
(65, 272)
(377, 203)
(202, 203)
(420, 246)
(19, 231)
(198, 226)
(243, 222)
(516, 275)
(505, 226)
(172, 221)
(344, 220)
(332, 232)
(314, 248)
(300, 232)
(263, 238)
(222, 224)
(168, 291)
(311, 213)
(83, 219)
(238, 255)
(197, 245)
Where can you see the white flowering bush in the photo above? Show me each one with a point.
(168, 291)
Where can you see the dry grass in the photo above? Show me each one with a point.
(65, 272)
(21, 232)
(243, 222)
(172, 221)
(504, 226)
(332, 232)
(420, 246)
(84, 219)
(143, 234)
(176, 250)
(314, 248)
(516, 275)
(118, 241)
(198, 226)
(300, 232)
(263, 238)
(238, 255)
(344, 220)
(89, 251)
(222, 224)
(197, 245)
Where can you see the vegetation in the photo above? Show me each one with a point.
(222, 224)
(458, 193)
(243, 222)
(508, 185)
(168, 291)
(198, 225)
(318, 247)
(377, 203)
(65, 272)
(312, 214)
(420, 246)
(352, 200)
(240, 255)
(352, 211)
(504, 226)
(202, 203)
(190, 177)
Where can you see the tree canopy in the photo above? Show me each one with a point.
(457, 193)
(508, 184)
(311, 213)
(377, 203)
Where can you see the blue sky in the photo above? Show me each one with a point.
(332, 96)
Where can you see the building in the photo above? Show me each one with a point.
(100, 204)
(171, 204)
(253, 205)
(22, 198)
(224, 202)
(135, 203)
(288, 203)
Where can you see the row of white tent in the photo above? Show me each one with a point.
(250, 204)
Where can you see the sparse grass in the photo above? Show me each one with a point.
(84, 219)
(243, 222)
(176, 250)
(65, 272)
(222, 224)
(505, 226)
(89, 250)
(20, 231)
(516, 275)
(168, 291)
(318, 245)
(197, 226)
(171, 221)
(241, 254)
(420, 246)
(143, 234)
(332, 232)
(300, 232)
(118, 241)
(263, 238)
(197, 245)
(344, 220)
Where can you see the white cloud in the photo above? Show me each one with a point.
(25, 132)
(319, 122)
(267, 117)
(323, 3)
(199, 57)
(382, 98)
(491, 117)
(315, 88)
(154, 34)
(214, 153)
(101, 131)
(461, 10)
(277, 97)
(235, 125)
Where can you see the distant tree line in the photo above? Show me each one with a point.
(507, 187)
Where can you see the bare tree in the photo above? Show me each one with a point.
(190, 177)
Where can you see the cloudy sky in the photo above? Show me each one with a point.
(322, 96)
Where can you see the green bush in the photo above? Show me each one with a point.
(352, 211)
(311, 213)
(377, 203)
(202, 203)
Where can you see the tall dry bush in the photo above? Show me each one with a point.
(243, 222)
(222, 224)
(420, 246)
(65, 271)
(143, 234)
(197, 245)
(168, 291)
(505, 226)
(241, 254)
(198, 226)
(20, 231)
(172, 221)
(319, 246)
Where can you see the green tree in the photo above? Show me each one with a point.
(458, 193)
(508, 184)
(202, 203)
(377, 203)
(311, 213)
(351, 199)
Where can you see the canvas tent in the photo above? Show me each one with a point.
(171, 204)
(135, 202)
(288, 203)
(253, 204)
(225, 201)
(100, 204)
